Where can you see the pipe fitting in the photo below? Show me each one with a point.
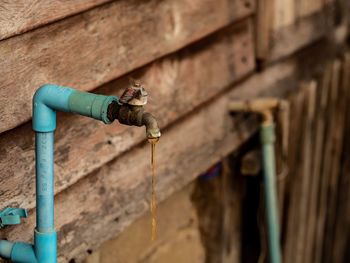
(49, 98)
(130, 115)
(6, 248)
(152, 129)
(134, 115)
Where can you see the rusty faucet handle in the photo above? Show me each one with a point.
(135, 94)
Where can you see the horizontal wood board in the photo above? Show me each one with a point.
(21, 16)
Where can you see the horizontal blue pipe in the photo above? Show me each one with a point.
(6, 248)
(46, 101)
(50, 98)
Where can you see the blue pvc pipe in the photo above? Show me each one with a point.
(6, 248)
(24, 253)
(45, 246)
(44, 182)
(267, 136)
(46, 101)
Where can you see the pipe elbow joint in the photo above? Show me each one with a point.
(17, 252)
(44, 249)
(47, 99)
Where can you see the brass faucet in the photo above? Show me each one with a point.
(130, 110)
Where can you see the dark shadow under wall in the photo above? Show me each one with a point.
(227, 206)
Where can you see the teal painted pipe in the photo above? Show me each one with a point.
(44, 182)
(46, 101)
(50, 98)
(6, 248)
(267, 137)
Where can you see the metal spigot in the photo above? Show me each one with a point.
(130, 110)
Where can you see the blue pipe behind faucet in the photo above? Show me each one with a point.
(46, 101)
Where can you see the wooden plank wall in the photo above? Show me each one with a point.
(108, 199)
(285, 26)
(194, 57)
(315, 168)
(168, 80)
(101, 171)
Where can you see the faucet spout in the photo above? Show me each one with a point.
(134, 115)
(130, 111)
(152, 129)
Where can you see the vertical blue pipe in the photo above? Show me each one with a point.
(267, 136)
(44, 182)
(46, 101)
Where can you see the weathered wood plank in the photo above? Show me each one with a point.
(265, 20)
(340, 247)
(329, 149)
(284, 13)
(289, 39)
(294, 177)
(283, 28)
(22, 15)
(319, 135)
(103, 203)
(307, 7)
(176, 84)
(305, 167)
(333, 188)
(97, 46)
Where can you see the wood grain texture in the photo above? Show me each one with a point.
(102, 204)
(318, 141)
(338, 139)
(22, 15)
(307, 7)
(327, 161)
(294, 177)
(315, 162)
(305, 167)
(97, 46)
(290, 39)
(284, 13)
(286, 26)
(340, 246)
(265, 20)
(176, 84)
